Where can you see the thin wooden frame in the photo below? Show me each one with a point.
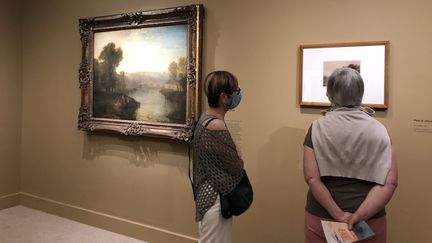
(316, 61)
(106, 101)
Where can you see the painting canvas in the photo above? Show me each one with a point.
(140, 72)
(318, 61)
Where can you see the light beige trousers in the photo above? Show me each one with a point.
(214, 228)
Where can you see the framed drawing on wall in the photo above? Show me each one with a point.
(140, 72)
(318, 61)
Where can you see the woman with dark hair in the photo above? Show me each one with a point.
(348, 163)
(217, 163)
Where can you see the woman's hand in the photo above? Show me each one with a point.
(345, 217)
(354, 219)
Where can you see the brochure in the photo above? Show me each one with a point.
(336, 232)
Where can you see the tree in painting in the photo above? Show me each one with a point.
(110, 100)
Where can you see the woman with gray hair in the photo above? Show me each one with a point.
(348, 162)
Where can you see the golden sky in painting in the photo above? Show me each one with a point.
(146, 49)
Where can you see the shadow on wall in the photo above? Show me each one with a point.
(139, 151)
(279, 188)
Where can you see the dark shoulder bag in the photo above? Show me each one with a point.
(238, 200)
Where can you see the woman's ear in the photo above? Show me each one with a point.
(224, 96)
(224, 99)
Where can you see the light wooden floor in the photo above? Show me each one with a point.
(20, 224)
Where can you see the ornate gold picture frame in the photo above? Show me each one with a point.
(140, 72)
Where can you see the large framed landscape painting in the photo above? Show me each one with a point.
(140, 72)
(318, 61)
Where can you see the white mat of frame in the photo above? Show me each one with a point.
(21, 224)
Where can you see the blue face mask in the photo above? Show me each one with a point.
(234, 102)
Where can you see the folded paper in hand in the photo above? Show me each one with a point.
(336, 232)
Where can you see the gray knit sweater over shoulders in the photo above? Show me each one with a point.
(217, 168)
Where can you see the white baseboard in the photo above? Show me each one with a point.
(119, 225)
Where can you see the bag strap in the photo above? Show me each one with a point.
(206, 122)
(190, 157)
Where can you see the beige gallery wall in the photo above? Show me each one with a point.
(105, 180)
(10, 100)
